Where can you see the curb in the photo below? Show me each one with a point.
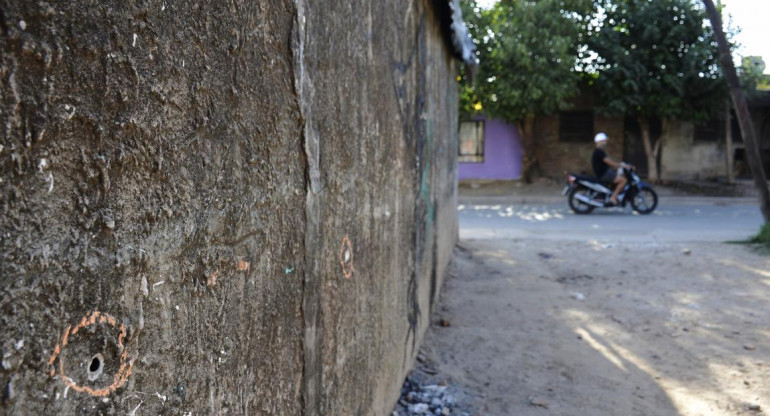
(553, 199)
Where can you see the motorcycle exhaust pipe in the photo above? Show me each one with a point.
(586, 200)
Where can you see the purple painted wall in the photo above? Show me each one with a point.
(502, 154)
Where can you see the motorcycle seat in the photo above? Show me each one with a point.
(593, 179)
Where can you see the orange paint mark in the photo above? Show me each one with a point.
(121, 336)
(66, 336)
(243, 266)
(212, 279)
(55, 354)
(124, 371)
(346, 258)
(107, 318)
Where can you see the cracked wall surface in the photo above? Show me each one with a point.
(220, 207)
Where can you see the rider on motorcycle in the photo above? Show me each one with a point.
(606, 169)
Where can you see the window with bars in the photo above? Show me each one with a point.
(711, 131)
(471, 149)
(576, 126)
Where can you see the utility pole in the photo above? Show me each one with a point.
(741, 111)
(729, 149)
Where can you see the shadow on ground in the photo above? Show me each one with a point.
(549, 327)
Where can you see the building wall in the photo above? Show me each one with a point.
(682, 158)
(502, 154)
(557, 158)
(223, 207)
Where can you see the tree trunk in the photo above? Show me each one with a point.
(649, 150)
(741, 110)
(729, 150)
(529, 159)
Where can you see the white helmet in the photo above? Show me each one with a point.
(600, 137)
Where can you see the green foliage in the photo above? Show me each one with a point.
(527, 52)
(752, 76)
(657, 58)
(762, 237)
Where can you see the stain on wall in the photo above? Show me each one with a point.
(177, 180)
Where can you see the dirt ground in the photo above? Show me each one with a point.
(535, 327)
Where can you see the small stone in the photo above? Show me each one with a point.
(749, 347)
(22, 25)
(419, 408)
(687, 252)
(445, 411)
(753, 407)
(536, 401)
(445, 323)
(577, 296)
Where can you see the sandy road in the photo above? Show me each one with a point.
(593, 328)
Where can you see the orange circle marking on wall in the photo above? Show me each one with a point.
(124, 370)
(346, 258)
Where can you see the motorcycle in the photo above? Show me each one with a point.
(586, 193)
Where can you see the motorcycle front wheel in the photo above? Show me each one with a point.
(578, 206)
(645, 201)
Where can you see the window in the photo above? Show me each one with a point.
(576, 126)
(471, 149)
(711, 131)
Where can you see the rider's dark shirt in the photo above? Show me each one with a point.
(599, 165)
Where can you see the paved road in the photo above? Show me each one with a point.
(669, 223)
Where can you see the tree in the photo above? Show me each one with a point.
(657, 59)
(742, 111)
(752, 77)
(527, 52)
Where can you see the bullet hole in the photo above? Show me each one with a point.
(80, 353)
(181, 391)
(96, 367)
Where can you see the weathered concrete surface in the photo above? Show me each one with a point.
(220, 207)
(683, 158)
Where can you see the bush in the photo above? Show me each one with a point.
(763, 237)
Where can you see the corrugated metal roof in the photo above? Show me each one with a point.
(451, 16)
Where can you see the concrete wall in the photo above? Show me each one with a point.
(220, 207)
(557, 158)
(682, 158)
(502, 154)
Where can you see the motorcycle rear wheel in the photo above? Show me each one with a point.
(577, 206)
(645, 201)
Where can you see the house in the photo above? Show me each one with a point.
(492, 149)
(489, 149)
